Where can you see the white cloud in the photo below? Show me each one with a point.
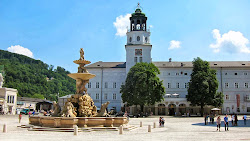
(174, 44)
(20, 50)
(232, 42)
(121, 24)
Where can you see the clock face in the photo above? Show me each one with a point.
(138, 51)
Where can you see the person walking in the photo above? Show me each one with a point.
(218, 123)
(226, 122)
(162, 121)
(236, 120)
(20, 117)
(232, 117)
(245, 119)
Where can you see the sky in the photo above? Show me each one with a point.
(54, 31)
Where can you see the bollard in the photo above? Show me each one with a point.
(121, 129)
(75, 130)
(140, 123)
(5, 128)
(149, 128)
(154, 125)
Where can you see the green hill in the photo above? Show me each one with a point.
(33, 78)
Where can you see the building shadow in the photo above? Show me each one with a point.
(240, 124)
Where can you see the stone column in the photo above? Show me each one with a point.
(156, 110)
(166, 110)
(177, 110)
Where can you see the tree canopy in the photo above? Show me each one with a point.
(203, 86)
(33, 78)
(143, 86)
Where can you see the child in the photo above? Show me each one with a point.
(20, 117)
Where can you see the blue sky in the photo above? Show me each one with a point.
(54, 31)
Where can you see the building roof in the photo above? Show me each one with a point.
(166, 64)
(213, 64)
(67, 96)
(29, 99)
(101, 64)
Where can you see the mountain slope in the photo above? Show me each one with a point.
(33, 78)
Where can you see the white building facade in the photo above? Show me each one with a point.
(233, 77)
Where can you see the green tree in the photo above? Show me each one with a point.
(203, 86)
(38, 96)
(143, 86)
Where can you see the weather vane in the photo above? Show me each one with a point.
(138, 5)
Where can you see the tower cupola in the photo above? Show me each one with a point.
(138, 20)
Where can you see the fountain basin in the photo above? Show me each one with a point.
(82, 76)
(69, 122)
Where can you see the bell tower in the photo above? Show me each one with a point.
(138, 47)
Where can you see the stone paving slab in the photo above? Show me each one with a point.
(176, 128)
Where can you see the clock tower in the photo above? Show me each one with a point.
(138, 47)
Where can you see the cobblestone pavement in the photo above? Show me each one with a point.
(176, 128)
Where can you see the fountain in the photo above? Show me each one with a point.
(79, 109)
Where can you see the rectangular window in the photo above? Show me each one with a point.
(97, 96)
(169, 73)
(105, 96)
(13, 99)
(227, 97)
(106, 85)
(135, 59)
(226, 73)
(177, 73)
(114, 96)
(185, 73)
(140, 59)
(186, 85)
(245, 73)
(236, 85)
(177, 85)
(246, 85)
(226, 85)
(248, 109)
(89, 85)
(169, 85)
(236, 73)
(8, 100)
(97, 84)
(114, 85)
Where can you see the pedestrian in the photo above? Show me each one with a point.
(218, 123)
(29, 113)
(33, 113)
(226, 122)
(232, 117)
(205, 118)
(245, 119)
(20, 117)
(236, 120)
(162, 122)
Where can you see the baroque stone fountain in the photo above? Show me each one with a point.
(79, 108)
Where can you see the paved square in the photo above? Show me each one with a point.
(176, 128)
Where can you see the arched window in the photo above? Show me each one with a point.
(138, 38)
(146, 39)
(130, 39)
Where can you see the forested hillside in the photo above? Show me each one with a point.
(33, 78)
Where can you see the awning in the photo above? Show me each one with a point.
(215, 109)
